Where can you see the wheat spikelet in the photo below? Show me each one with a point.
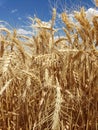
(2, 48)
(76, 77)
(5, 86)
(20, 48)
(48, 80)
(82, 19)
(69, 25)
(81, 33)
(58, 101)
(28, 84)
(47, 60)
(51, 42)
(7, 62)
(95, 22)
(68, 36)
(96, 3)
(35, 79)
(53, 17)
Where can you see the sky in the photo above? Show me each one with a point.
(16, 12)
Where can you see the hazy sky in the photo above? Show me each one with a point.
(15, 12)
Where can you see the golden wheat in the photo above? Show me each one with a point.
(48, 83)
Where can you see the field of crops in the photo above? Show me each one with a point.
(48, 82)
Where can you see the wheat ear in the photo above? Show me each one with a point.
(56, 120)
(5, 86)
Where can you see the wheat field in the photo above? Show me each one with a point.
(49, 83)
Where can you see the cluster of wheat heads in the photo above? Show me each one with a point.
(48, 83)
